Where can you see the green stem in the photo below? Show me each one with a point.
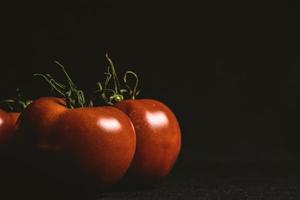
(75, 98)
(117, 94)
(70, 82)
(16, 104)
(57, 87)
(114, 75)
(132, 92)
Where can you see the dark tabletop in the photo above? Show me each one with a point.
(198, 180)
(222, 181)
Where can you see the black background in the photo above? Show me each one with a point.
(229, 70)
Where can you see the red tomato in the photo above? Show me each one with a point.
(100, 140)
(157, 130)
(7, 126)
(158, 138)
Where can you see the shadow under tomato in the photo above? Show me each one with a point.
(24, 180)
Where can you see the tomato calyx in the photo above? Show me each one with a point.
(112, 96)
(75, 98)
(16, 104)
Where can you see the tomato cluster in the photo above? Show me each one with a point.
(138, 137)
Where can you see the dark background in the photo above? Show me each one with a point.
(228, 70)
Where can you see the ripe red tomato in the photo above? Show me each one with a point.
(7, 126)
(99, 140)
(158, 138)
(157, 130)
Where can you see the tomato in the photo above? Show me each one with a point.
(8, 120)
(7, 126)
(157, 130)
(7, 134)
(8, 131)
(99, 140)
(158, 138)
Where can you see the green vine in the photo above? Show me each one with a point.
(75, 98)
(112, 96)
(16, 104)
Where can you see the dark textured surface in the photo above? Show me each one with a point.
(214, 181)
(224, 181)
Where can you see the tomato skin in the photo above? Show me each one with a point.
(36, 121)
(110, 148)
(7, 126)
(158, 138)
(100, 141)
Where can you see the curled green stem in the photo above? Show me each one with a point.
(111, 96)
(132, 92)
(75, 98)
